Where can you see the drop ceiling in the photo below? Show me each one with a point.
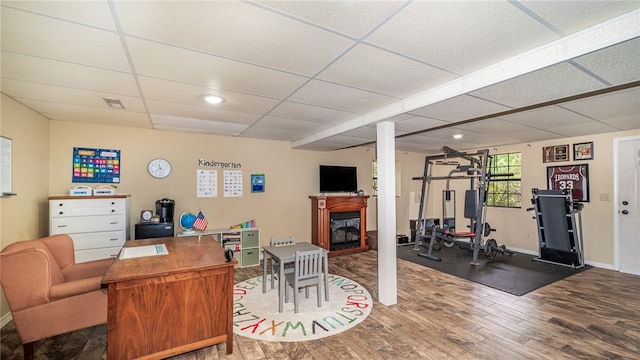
(322, 74)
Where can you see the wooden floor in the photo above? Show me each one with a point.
(591, 315)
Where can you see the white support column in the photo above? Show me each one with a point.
(387, 269)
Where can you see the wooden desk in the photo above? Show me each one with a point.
(287, 254)
(164, 305)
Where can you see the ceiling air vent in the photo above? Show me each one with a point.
(114, 103)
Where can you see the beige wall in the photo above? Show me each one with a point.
(25, 216)
(290, 175)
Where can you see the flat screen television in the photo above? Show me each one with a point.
(338, 178)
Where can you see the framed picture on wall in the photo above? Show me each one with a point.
(574, 178)
(583, 151)
(555, 153)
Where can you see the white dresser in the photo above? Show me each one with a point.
(98, 225)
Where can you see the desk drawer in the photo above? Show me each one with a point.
(250, 257)
(250, 239)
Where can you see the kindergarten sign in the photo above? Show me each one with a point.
(256, 316)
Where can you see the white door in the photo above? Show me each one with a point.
(627, 205)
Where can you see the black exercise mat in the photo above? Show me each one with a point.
(516, 274)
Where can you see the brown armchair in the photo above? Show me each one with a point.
(47, 292)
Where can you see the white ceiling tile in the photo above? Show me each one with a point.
(33, 69)
(211, 71)
(495, 126)
(306, 112)
(395, 76)
(94, 13)
(127, 119)
(365, 132)
(267, 60)
(324, 94)
(625, 56)
(196, 125)
(461, 36)
(50, 93)
(593, 127)
(200, 112)
(353, 18)
(265, 38)
(554, 82)
(94, 115)
(547, 118)
(459, 108)
(291, 124)
(61, 40)
(273, 134)
(573, 16)
(418, 123)
(620, 109)
(171, 91)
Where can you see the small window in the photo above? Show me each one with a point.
(505, 191)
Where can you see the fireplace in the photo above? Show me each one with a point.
(339, 223)
(345, 230)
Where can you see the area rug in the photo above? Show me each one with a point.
(515, 274)
(256, 316)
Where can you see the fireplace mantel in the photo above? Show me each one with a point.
(321, 209)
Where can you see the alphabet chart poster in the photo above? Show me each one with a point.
(232, 183)
(96, 166)
(207, 183)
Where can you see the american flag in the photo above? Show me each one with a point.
(200, 223)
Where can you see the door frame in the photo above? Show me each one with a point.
(616, 197)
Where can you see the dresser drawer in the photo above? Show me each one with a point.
(105, 239)
(81, 224)
(88, 207)
(250, 239)
(96, 254)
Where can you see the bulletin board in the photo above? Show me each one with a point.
(96, 166)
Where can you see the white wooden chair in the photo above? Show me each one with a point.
(307, 272)
(275, 265)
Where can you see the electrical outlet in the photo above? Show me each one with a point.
(604, 197)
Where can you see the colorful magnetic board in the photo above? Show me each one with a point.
(96, 166)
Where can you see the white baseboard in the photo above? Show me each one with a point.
(5, 319)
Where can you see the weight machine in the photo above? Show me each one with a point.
(559, 239)
(474, 209)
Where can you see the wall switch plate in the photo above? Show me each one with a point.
(604, 197)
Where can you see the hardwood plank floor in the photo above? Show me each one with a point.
(591, 315)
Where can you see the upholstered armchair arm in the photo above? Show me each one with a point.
(31, 287)
(72, 288)
(87, 269)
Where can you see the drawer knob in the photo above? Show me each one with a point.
(60, 204)
(61, 212)
(113, 222)
(113, 210)
(116, 239)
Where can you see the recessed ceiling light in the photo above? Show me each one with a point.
(213, 99)
(458, 136)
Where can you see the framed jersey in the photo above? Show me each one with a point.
(571, 177)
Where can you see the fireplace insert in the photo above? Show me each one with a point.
(345, 230)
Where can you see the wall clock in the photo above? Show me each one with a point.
(159, 168)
